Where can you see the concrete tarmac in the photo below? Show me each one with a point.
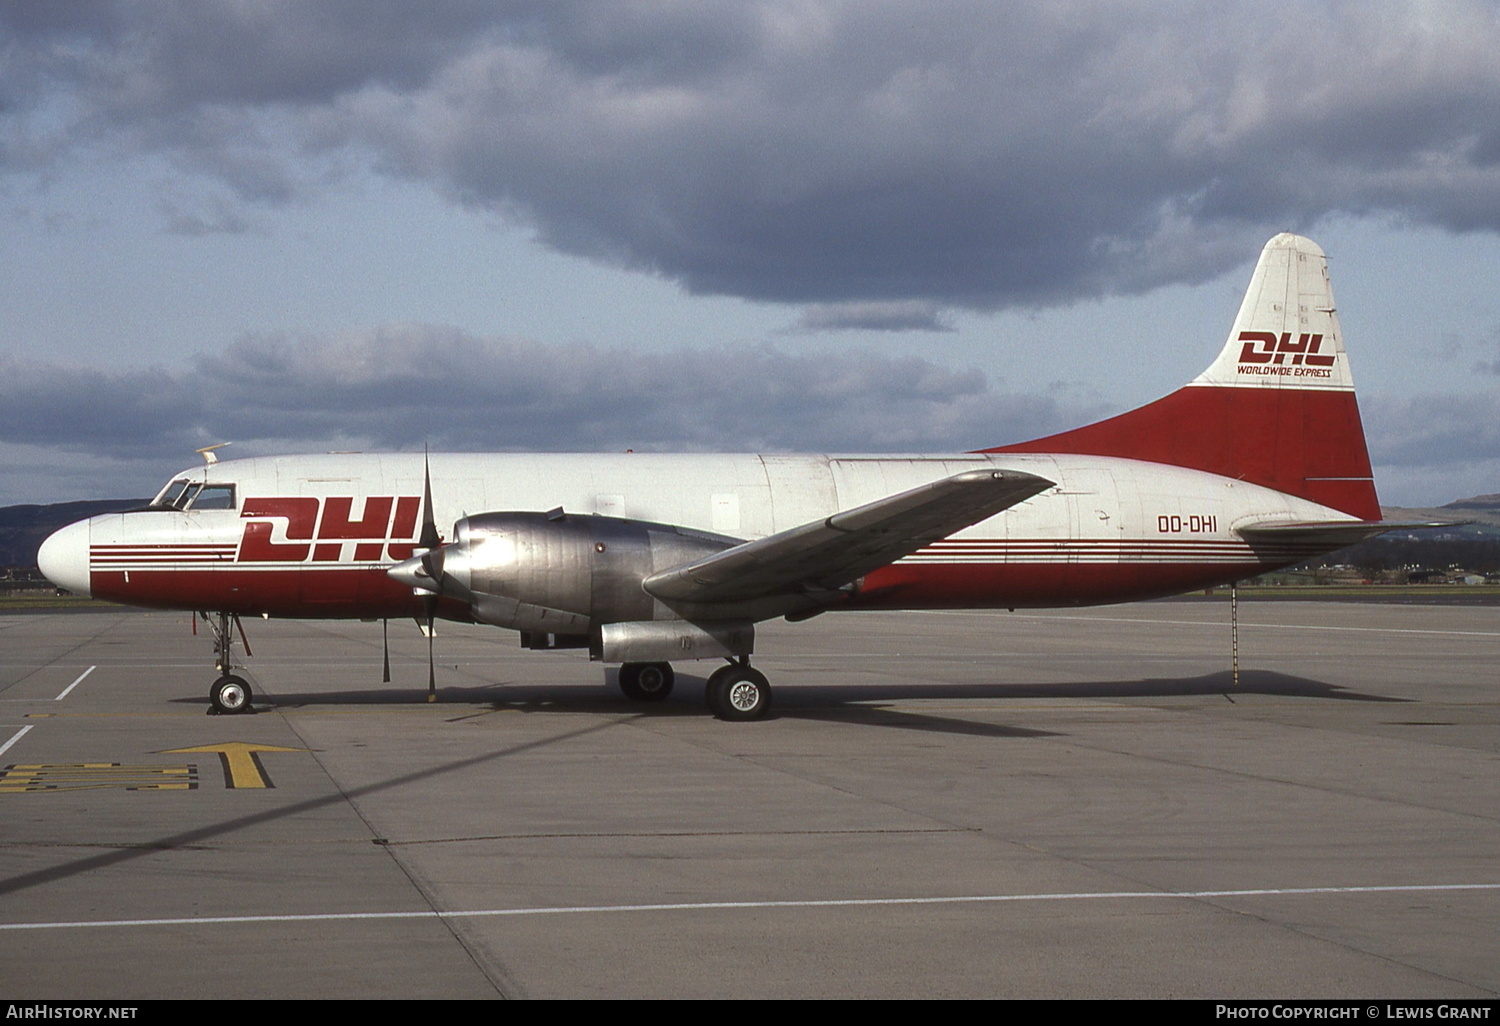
(1031, 804)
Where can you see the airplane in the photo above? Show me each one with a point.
(649, 559)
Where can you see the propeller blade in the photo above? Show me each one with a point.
(432, 563)
(431, 665)
(429, 538)
(423, 573)
(385, 644)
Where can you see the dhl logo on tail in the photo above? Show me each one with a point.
(1263, 348)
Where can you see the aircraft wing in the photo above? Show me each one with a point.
(827, 554)
(1333, 532)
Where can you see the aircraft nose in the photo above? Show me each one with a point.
(64, 558)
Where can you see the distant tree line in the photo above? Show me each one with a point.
(1480, 554)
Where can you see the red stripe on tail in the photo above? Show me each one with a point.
(1305, 443)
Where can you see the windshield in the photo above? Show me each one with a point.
(182, 494)
(213, 496)
(173, 495)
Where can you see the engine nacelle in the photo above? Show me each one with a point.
(666, 640)
(565, 574)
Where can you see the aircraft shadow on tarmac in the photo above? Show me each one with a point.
(1252, 682)
(854, 703)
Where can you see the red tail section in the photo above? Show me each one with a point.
(1276, 408)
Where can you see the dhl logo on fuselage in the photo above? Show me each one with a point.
(386, 529)
(1264, 353)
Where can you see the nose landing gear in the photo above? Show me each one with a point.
(230, 693)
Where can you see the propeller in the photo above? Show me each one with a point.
(432, 565)
(423, 573)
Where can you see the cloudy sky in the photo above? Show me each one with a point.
(750, 225)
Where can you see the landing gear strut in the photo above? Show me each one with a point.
(230, 693)
(646, 682)
(738, 692)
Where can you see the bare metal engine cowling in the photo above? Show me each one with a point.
(566, 574)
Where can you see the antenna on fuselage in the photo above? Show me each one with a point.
(208, 454)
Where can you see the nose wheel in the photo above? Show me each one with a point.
(230, 694)
(738, 692)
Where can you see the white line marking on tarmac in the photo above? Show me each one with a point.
(15, 737)
(1270, 626)
(73, 685)
(696, 906)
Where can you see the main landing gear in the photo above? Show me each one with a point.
(646, 682)
(735, 692)
(739, 692)
(230, 693)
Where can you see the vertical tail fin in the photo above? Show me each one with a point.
(1276, 408)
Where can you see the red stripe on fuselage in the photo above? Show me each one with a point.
(1006, 585)
(368, 593)
(341, 593)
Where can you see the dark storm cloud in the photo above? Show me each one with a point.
(1433, 430)
(66, 407)
(956, 153)
(890, 315)
(408, 385)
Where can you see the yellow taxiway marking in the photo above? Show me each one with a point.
(85, 776)
(241, 761)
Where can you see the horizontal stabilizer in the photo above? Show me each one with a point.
(1333, 532)
(827, 554)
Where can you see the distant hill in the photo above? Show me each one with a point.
(1484, 502)
(1482, 511)
(24, 528)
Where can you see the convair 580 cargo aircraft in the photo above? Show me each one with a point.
(643, 560)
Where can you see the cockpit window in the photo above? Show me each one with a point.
(173, 496)
(183, 494)
(213, 496)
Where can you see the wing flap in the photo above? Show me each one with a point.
(827, 554)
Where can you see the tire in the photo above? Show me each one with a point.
(647, 682)
(738, 694)
(230, 694)
(715, 692)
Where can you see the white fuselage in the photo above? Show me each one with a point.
(1109, 530)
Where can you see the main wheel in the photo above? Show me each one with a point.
(646, 682)
(230, 694)
(739, 692)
